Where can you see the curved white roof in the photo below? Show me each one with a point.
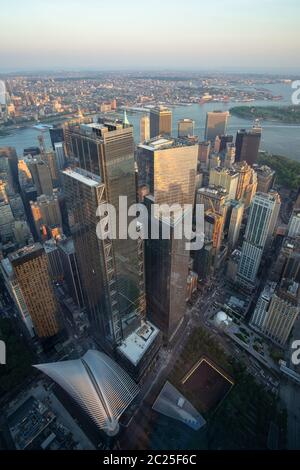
(98, 385)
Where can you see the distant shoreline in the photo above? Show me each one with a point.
(282, 114)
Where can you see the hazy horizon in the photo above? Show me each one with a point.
(256, 36)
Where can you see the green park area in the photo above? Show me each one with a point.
(244, 417)
(282, 114)
(287, 170)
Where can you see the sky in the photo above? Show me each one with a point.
(254, 35)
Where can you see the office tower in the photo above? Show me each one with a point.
(22, 234)
(230, 156)
(31, 270)
(84, 193)
(54, 260)
(247, 145)
(236, 218)
(259, 315)
(60, 155)
(166, 271)
(9, 165)
(50, 159)
(186, 128)
(17, 207)
(41, 177)
(108, 155)
(3, 193)
(46, 212)
(214, 161)
(25, 176)
(247, 180)
(16, 294)
(265, 178)
(160, 121)
(216, 124)
(144, 128)
(56, 136)
(169, 169)
(261, 223)
(294, 224)
(203, 154)
(233, 265)
(215, 201)
(6, 222)
(225, 140)
(277, 316)
(227, 178)
(70, 268)
(203, 261)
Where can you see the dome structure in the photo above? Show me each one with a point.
(222, 319)
(101, 388)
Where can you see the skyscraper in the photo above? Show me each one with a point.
(186, 128)
(160, 121)
(265, 178)
(144, 128)
(56, 135)
(168, 167)
(166, 268)
(31, 270)
(60, 155)
(203, 155)
(263, 215)
(9, 165)
(46, 212)
(294, 224)
(105, 152)
(276, 312)
(247, 145)
(236, 218)
(216, 124)
(41, 176)
(227, 178)
(84, 193)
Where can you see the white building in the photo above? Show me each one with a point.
(294, 225)
(260, 228)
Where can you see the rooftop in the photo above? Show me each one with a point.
(136, 344)
(83, 177)
(25, 252)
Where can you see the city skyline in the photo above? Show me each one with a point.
(205, 36)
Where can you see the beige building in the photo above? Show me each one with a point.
(31, 270)
(247, 185)
(144, 128)
(169, 169)
(226, 178)
(216, 124)
(282, 313)
(160, 121)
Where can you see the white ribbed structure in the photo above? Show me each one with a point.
(98, 385)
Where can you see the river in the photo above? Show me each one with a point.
(281, 139)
